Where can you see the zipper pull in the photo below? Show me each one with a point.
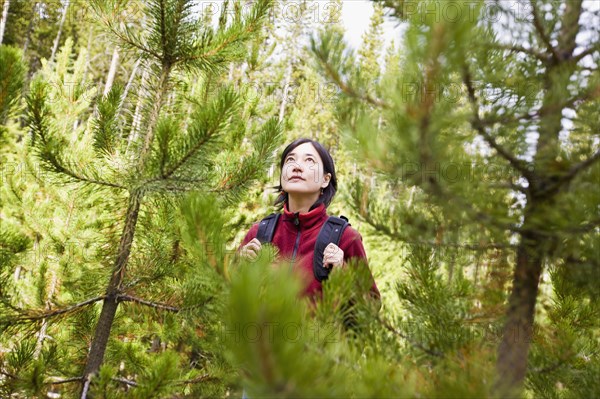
(296, 219)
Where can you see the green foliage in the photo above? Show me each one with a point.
(162, 340)
(447, 160)
(564, 361)
(440, 152)
(433, 303)
(284, 353)
(106, 129)
(12, 72)
(160, 374)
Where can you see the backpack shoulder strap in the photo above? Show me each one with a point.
(266, 228)
(331, 232)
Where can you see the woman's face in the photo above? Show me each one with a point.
(302, 171)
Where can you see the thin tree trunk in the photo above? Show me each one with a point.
(110, 304)
(42, 333)
(85, 73)
(286, 85)
(112, 72)
(137, 115)
(518, 327)
(30, 28)
(87, 55)
(128, 86)
(60, 28)
(4, 18)
(476, 273)
(451, 265)
(17, 273)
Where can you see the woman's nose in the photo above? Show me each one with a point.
(297, 167)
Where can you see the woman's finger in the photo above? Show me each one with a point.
(250, 250)
(251, 254)
(330, 261)
(255, 244)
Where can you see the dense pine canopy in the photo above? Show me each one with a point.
(139, 142)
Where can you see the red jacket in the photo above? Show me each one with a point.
(301, 238)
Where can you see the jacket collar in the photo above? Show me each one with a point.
(305, 220)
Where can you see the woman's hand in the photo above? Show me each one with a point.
(250, 250)
(333, 256)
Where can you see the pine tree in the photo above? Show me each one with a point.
(12, 70)
(5, 8)
(174, 152)
(370, 50)
(434, 135)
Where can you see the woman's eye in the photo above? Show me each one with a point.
(310, 160)
(289, 159)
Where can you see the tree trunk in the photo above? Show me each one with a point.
(286, 86)
(112, 72)
(4, 18)
(128, 86)
(60, 27)
(110, 304)
(137, 114)
(518, 327)
(42, 333)
(30, 28)
(87, 55)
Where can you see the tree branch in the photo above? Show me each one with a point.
(513, 48)
(189, 154)
(58, 312)
(579, 167)
(155, 305)
(61, 380)
(537, 23)
(558, 231)
(590, 94)
(510, 186)
(415, 344)
(127, 40)
(59, 168)
(251, 27)
(201, 378)
(349, 90)
(478, 125)
(473, 247)
(585, 53)
(558, 181)
(125, 381)
(561, 361)
(9, 375)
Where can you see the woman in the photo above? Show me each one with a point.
(307, 184)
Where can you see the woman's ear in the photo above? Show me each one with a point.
(326, 180)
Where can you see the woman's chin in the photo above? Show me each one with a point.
(303, 193)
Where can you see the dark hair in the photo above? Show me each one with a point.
(328, 167)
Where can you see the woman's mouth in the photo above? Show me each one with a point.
(296, 178)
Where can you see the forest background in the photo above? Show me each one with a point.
(139, 142)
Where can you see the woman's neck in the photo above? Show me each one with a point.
(302, 203)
